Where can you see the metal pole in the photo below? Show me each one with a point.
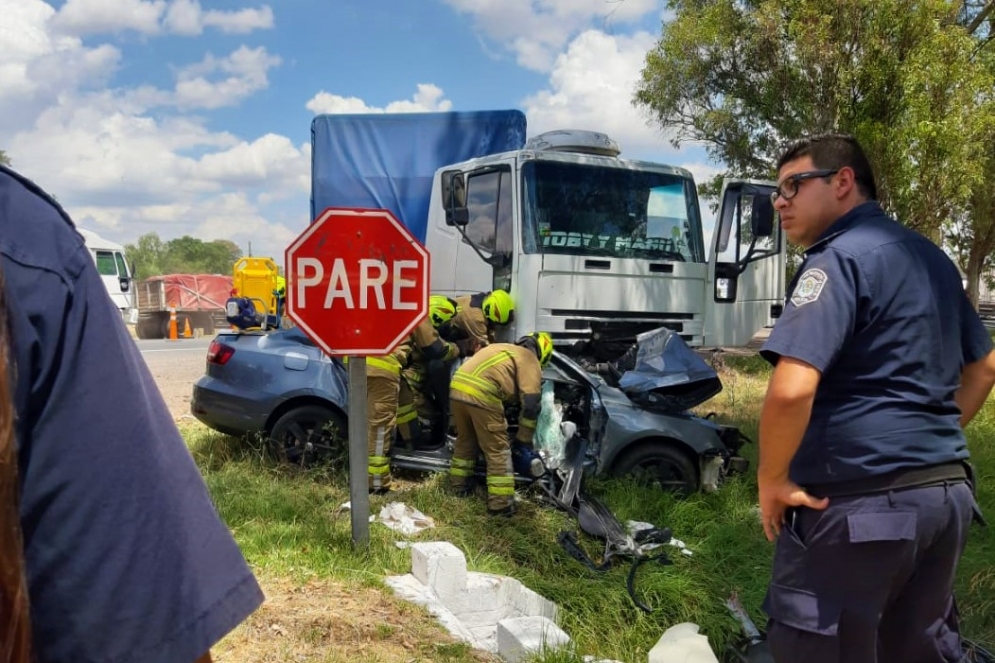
(359, 494)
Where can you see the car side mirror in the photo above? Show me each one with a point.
(125, 283)
(762, 217)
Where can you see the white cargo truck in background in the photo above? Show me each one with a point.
(114, 272)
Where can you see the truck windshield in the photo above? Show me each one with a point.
(589, 210)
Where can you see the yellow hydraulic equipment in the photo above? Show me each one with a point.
(258, 280)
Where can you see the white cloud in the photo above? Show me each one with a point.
(537, 30)
(186, 17)
(150, 17)
(428, 98)
(79, 17)
(591, 87)
(37, 66)
(246, 70)
(120, 169)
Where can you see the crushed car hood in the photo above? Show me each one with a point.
(661, 372)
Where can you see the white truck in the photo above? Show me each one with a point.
(593, 248)
(596, 249)
(114, 272)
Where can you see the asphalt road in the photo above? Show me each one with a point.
(175, 365)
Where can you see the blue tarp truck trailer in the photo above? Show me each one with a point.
(388, 161)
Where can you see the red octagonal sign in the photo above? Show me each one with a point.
(357, 281)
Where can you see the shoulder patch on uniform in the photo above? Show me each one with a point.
(809, 287)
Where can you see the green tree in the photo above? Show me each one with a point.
(4, 159)
(184, 255)
(146, 255)
(743, 77)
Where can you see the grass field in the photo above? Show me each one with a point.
(294, 533)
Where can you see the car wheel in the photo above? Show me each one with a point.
(659, 464)
(309, 434)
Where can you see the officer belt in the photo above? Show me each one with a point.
(912, 477)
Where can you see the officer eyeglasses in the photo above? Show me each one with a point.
(788, 189)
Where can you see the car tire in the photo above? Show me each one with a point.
(661, 464)
(308, 435)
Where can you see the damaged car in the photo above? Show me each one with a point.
(631, 417)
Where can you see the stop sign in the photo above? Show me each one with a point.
(357, 281)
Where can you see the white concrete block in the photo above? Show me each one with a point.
(482, 595)
(411, 589)
(523, 602)
(441, 566)
(520, 637)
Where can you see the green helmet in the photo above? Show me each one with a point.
(542, 343)
(498, 307)
(441, 310)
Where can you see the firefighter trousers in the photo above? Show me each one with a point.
(478, 430)
(382, 412)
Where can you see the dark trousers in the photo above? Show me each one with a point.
(870, 579)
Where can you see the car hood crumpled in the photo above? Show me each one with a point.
(661, 372)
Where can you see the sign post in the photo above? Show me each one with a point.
(357, 284)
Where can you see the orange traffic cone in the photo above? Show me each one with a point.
(187, 332)
(173, 335)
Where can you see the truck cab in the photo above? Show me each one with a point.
(596, 249)
(114, 272)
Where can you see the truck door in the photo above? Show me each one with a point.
(484, 255)
(746, 265)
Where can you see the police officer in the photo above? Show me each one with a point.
(124, 554)
(501, 374)
(880, 360)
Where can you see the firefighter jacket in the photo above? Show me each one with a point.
(426, 345)
(469, 320)
(390, 366)
(499, 375)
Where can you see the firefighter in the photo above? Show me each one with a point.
(383, 384)
(498, 375)
(418, 405)
(390, 400)
(478, 315)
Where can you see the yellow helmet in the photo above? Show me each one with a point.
(543, 343)
(441, 310)
(498, 307)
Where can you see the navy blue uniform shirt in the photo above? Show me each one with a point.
(882, 313)
(126, 557)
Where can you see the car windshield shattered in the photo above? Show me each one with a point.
(585, 210)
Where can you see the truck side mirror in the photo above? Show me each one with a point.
(125, 283)
(454, 198)
(762, 217)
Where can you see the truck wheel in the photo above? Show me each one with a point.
(659, 464)
(146, 328)
(308, 435)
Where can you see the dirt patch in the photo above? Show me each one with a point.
(321, 620)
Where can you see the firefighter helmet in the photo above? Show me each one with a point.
(542, 344)
(498, 307)
(441, 310)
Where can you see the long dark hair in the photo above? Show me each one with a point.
(15, 623)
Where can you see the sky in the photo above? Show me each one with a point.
(193, 117)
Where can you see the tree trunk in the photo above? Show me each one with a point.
(975, 261)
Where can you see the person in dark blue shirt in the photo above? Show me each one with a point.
(125, 557)
(880, 361)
